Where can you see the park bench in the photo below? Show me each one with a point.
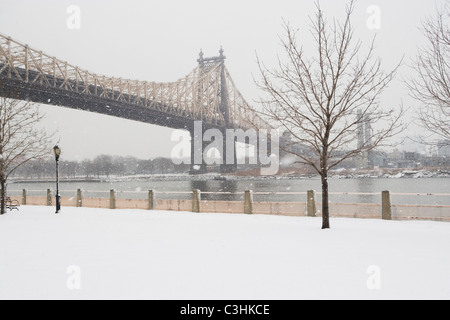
(12, 204)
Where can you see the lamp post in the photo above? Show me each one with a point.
(57, 152)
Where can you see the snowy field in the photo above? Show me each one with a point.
(126, 254)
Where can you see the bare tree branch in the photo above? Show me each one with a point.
(20, 140)
(431, 86)
(324, 100)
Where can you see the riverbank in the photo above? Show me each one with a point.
(335, 174)
(52, 180)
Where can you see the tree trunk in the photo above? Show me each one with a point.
(325, 202)
(3, 195)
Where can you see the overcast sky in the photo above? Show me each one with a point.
(160, 41)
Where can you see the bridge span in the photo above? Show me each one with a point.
(207, 94)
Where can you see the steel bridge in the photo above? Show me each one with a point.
(207, 94)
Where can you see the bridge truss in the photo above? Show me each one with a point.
(208, 93)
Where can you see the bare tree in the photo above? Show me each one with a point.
(432, 83)
(325, 102)
(20, 140)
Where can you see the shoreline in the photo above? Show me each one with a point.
(407, 174)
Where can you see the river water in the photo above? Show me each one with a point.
(234, 189)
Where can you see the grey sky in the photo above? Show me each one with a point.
(160, 41)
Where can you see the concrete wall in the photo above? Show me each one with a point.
(298, 209)
(410, 212)
(173, 205)
(354, 210)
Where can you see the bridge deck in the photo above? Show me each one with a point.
(129, 107)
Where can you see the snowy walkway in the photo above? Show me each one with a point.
(159, 255)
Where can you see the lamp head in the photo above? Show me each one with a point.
(57, 151)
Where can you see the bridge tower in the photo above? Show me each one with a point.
(206, 64)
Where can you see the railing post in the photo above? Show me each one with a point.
(248, 202)
(24, 197)
(112, 199)
(49, 197)
(386, 208)
(311, 209)
(79, 198)
(196, 201)
(151, 200)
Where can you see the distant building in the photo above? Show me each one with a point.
(410, 156)
(410, 160)
(444, 148)
(380, 159)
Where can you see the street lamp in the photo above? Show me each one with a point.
(57, 152)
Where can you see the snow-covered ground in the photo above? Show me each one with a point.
(126, 254)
